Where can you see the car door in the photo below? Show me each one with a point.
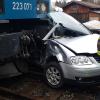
(9, 45)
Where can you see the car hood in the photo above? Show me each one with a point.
(81, 44)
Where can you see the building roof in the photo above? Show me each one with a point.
(83, 3)
(93, 24)
(97, 12)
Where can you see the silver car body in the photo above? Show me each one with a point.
(63, 48)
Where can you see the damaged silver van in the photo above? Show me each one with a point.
(71, 51)
(63, 47)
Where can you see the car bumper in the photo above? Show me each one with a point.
(91, 74)
(82, 82)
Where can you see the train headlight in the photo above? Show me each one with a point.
(41, 7)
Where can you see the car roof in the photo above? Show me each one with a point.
(68, 21)
(57, 16)
(65, 19)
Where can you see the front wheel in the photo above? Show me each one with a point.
(54, 75)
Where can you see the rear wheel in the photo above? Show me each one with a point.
(54, 75)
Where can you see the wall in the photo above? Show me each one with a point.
(76, 9)
(81, 13)
(94, 16)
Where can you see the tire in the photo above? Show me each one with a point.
(54, 75)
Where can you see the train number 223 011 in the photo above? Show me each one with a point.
(21, 6)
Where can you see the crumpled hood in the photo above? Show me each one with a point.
(82, 44)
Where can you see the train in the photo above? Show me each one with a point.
(23, 9)
(17, 21)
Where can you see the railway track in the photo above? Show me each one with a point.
(7, 94)
(11, 95)
(22, 88)
(32, 88)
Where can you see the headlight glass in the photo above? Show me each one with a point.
(42, 7)
(80, 60)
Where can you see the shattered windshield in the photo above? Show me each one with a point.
(62, 31)
(69, 23)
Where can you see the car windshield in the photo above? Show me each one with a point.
(66, 32)
(69, 23)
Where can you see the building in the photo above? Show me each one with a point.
(82, 11)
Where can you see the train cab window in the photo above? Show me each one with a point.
(1, 6)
